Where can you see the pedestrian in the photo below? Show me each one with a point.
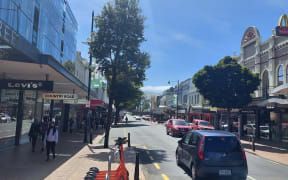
(126, 119)
(51, 140)
(33, 133)
(43, 131)
(71, 122)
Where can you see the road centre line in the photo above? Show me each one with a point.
(165, 177)
(145, 147)
(251, 178)
(156, 165)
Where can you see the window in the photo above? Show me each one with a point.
(180, 123)
(35, 26)
(187, 138)
(265, 84)
(287, 74)
(280, 76)
(62, 48)
(193, 139)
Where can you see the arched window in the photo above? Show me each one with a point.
(265, 84)
(280, 76)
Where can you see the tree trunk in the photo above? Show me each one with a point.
(108, 123)
(117, 118)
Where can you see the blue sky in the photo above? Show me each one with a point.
(184, 35)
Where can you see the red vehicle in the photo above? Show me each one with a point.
(177, 127)
(202, 125)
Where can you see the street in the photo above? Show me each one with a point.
(157, 154)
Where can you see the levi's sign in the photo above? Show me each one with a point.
(59, 96)
(26, 84)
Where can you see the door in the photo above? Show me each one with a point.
(186, 148)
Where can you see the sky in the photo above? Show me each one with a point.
(185, 35)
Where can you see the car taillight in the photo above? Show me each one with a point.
(201, 148)
(244, 154)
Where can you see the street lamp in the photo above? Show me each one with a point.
(91, 68)
(169, 82)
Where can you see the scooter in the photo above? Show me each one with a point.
(121, 173)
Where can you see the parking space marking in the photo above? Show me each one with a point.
(156, 165)
(165, 177)
(251, 178)
(151, 158)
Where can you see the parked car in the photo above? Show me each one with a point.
(211, 153)
(202, 125)
(250, 129)
(138, 118)
(5, 118)
(264, 131)
(177, 127)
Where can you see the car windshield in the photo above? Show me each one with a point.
(264, 128)
(204, 123)
(222, 144)
(180, 123)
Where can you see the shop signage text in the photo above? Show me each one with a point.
(282, 30)
(58, 96)
(26, 84)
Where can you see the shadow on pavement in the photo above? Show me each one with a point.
(265, 148)
(21, 163)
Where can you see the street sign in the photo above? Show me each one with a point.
(75, 101)
(59, 96)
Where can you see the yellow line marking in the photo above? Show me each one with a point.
(144, 147)
(251, 178)
(151, 158)
(147, 152)
(164, 176)
(156, 165)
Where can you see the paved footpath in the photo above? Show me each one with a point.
(73, 160)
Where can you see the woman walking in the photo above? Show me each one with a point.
(51, 140)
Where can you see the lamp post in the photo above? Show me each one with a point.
(91, 68)
(169, 82)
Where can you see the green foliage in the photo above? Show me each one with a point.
(70, 66)
(146, 106)
(227, 84)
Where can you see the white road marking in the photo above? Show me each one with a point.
(251, 178)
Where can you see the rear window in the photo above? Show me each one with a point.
(203, 123)
(180, 123)
(222, 144)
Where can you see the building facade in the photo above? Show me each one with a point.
(269, 59)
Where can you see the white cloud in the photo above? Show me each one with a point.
(156, 89)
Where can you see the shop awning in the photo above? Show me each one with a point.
(281, 90)
(272, 102)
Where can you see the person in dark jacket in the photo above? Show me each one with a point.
(33, 133)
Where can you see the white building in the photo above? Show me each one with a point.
(81, 68)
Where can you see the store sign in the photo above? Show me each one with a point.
(59, 96)
(26, 84)
(282, 30)
(249, 35)
(75, 101)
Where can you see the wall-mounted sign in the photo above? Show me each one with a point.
(59, 96)
(251, 33)
(282, 30)
(26, 84)
(75, 101)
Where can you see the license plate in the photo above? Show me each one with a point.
(225, 172)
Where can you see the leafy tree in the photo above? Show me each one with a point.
(146, 106)
(116, 47)
(70, 66)
(227, 84)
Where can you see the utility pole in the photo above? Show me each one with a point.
(177, 99)
(88, 123)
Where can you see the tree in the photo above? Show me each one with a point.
(227, 84)
(116, 47)
(146, 106)
(70, 66)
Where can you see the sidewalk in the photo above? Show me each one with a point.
(267, 150)
(73, 160)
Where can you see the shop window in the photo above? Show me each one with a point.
(35, 26)
(280, 76)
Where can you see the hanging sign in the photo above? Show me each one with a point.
(59, 96)
(26, 84)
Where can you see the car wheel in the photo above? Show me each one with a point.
(172, 133)
(177, 159)
(194, 172)
(167, 132)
